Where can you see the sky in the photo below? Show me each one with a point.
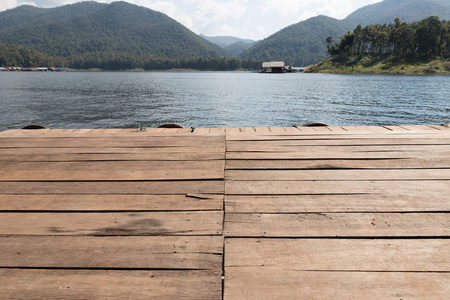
(249, 19)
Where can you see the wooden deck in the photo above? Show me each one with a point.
(236, 213)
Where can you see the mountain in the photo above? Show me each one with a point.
(300, 44)
(90, 27)
(26, 14)
(225, 41)
(304, 43)
(407, 10)
(236, 49)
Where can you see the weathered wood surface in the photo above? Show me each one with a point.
(111, 170)
(276, 283)
(112, 187)
(336, 212)
(338, 225)
(339, 175)
(112, 224)
(124, 252)
(428, 201)
(440, 162)
(109, 284)
(335, 187)
(105, 203)
(385, 255)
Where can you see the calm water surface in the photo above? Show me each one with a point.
(216, 99)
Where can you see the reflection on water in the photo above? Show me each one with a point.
(215, 99)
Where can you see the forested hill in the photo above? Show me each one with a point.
(17, 56)
(304, 43)
(90, 27)
(401, 47)
(300, 44)
(408, 10)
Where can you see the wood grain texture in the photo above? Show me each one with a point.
(109, 284)
(339, 175)
(402, 202)
(338, 225)
(112, 224)
(151, 252)
(391, 255)
(111, 170)
(439, 162)
(60, 156)
(335, 187)
(275, 283)
(113, 188)
(107, 203)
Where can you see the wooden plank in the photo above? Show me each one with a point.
(114, 165)
(109, 284)
(119, 142)
(339, 175)
(284, 145)
(300, 136)
(148, 252)
(277, 130)
(113, 188)
(371, 129)
(437, 162)
(232, 130)
(247, 129)
(61, 156)
(324, 152)
(419, 202)
(112, 224)
(422, 255)
(335, 187)
(111, 170)
(110, 202)
(276, 283)
(337, 225)
(201, 131)
(262, 129)
(291, 130)
(163, 152)
(217, 130)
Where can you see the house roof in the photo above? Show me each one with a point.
(273, 64)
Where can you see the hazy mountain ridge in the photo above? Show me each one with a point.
(225, 41)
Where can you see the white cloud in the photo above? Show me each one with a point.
(8, 4)
(213, 11)
(301, 10)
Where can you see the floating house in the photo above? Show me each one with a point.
(273, 67)
(3, 69)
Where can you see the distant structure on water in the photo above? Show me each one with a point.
(276, 67)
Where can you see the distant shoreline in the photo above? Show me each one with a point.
(366, 65)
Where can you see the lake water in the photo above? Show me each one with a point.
(218, 99)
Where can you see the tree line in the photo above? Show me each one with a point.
(426, 39)
(17, 56)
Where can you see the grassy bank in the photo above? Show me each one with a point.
(377, 65)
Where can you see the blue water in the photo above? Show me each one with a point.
(218, 99)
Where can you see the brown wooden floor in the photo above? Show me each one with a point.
(237, 213)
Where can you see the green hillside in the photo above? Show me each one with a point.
(400, 48)
(304, 43)
(119, 27)
(407, 10)
(17, 56)
(300, 44)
